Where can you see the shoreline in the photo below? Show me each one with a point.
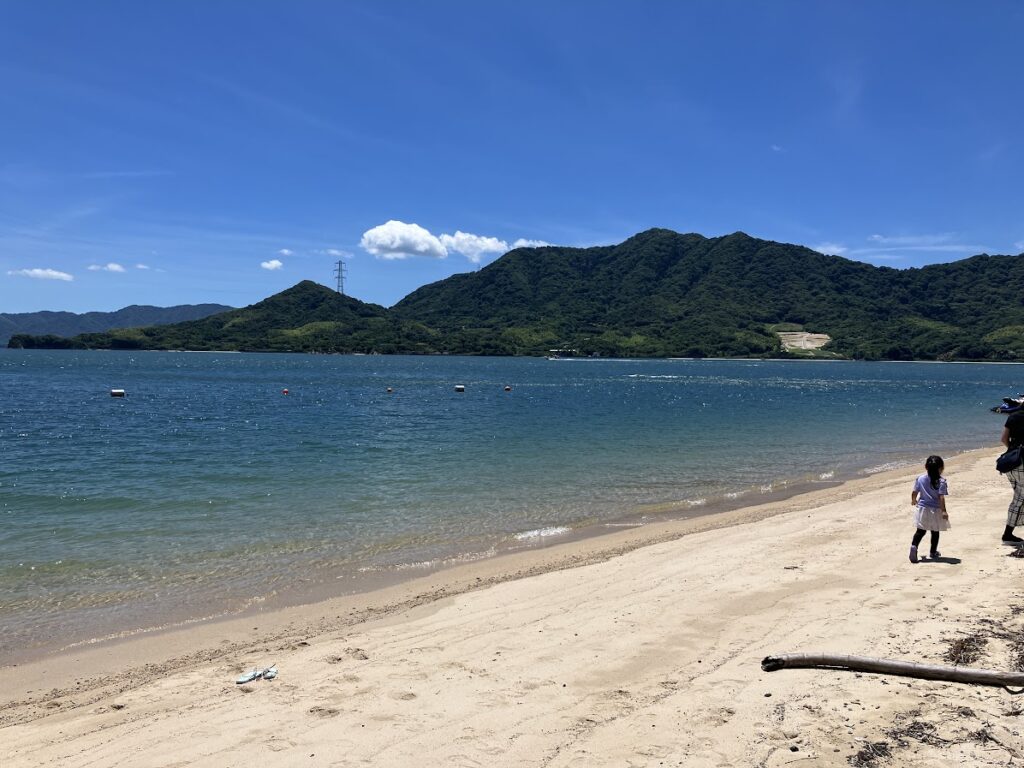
(648, 522)
(593, 543)
(643, 525)
(641, 645)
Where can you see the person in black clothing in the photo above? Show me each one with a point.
(1013, 435)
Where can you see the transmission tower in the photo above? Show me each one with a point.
(339, 272)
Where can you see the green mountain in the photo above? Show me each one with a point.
(71, 324)
(307, 317)
(659, 293)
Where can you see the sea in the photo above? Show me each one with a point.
(222, 482)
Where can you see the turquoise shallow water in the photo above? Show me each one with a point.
(206, 489)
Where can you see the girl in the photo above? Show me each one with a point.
(929, 497)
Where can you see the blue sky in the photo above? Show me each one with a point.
(185, 152)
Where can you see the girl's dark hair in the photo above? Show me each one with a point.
(933, 466)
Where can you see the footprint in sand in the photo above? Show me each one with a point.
(323, 711)
(279, 745)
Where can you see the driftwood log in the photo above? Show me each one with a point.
(889, 667)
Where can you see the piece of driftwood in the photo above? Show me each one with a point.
(890, 667)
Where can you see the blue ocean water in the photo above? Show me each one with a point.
(206, 488)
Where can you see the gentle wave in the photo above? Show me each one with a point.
(542, 533)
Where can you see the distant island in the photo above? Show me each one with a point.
(658, 294)
(72, 324)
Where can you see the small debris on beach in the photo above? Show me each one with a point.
(966, 650)
(870, 754)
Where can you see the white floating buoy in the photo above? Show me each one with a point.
(117, 393)
(390, 390)
(460, 388)
(508, 388)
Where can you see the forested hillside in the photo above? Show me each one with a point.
(659, 294)
(72, 324)
(307, 317)
(665, 294)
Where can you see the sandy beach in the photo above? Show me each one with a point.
(640, 648)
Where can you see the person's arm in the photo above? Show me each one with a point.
(942, 506)
(913, 498)
(1005, 437)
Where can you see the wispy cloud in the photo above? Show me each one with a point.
(285, 252)
(41, 274)
(778, 148)
(111, 267)
(911, 240)
(142, 266)
(830, 249)
(297, 115)
(525, 243)
(944, 242)
(335, 252)
(124, 174)
(272, 265)
(992, 153)
(848, 84)
(903, 247)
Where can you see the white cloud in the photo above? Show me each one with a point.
(142, 266)
(912, 240)
(778, 148)
(272, 264)
(473, 247)
(943, 243)
(285, 252)
(830, 249)
(111, 267)
(335, 252)
(398, 240)
(906, 247)
(41, 274)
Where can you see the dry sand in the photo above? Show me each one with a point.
(598, 653)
